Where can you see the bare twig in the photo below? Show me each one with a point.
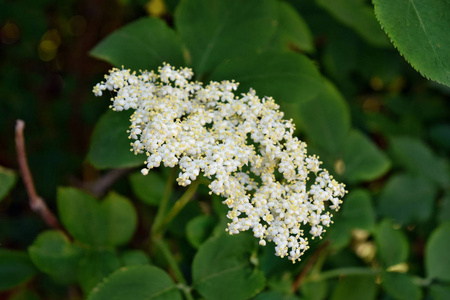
(37, 204)
(308, 266)
(98, 187)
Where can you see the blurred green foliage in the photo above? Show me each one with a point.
(377, 124)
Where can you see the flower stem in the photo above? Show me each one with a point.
(164, 201)
(174, 266)
(178, 206)
(343, 272)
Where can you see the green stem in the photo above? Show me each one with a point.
(164, 201)
(177, 207)
(343, 272)
(174, 266)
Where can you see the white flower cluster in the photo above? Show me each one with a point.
(242, 144)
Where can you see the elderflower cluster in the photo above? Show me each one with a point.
(242, 144)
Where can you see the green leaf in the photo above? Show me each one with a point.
(407, 198)
(400, 286)
(437, 260)
(440, 292)
(419, 30)
(275, 295)
(416, 157)
(54, 255)
(359, 16)
(287, 77)
(134, 257)
(15, 269)
(314, 290)
(362, 159)
(292, 31)
(392, 244)
(444, 209)
(111, 222)
(7, 180)
(137, 283)
(326, 119)
(357, 210)
(222, 269)
(355, 288)
(149, 188)
(110, 146)
(440, 135)
(217, 30)
(94, 267)
(143, 44)
(198, 229)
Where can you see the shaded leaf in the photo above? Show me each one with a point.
(95, 266)
(355, 288)
(359, 16)
(110, 146)
(222, 269)
(415, 156)
(357, 210)
(440, 292)
(287, 77)
(198, 229)
(111, 222)
(419, 30)
(392, 244)
(137, 283)
(134, 257)
(362, 159)
(142, 44)
(292, 30)
(400, 286)
(213, 30)
(407, 198)
(15, 269)
(54, 255)
(149, 188)
(7, 181)
(326, 119)
(437, 260)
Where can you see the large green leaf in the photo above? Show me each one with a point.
(143, 44)
(54, 255)
(94, 267)
(359, 16)
(15, 268)
(418, 158)
(111, 222)
(292, 31)
(437, 260)
(287, 77)
(444, 208)
(110, 146)
(137, 283)
(407, 198)
(440, 292)
(326, 119)
(392, 244)
(400, 286)
(149, 188)
(362, 159)
(7, 180)
(355, 288)
(222, 268)
(216, 30)
(419, 30)
(198, 229)
(357, 210)
(275, 295)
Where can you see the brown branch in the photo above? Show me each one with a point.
(101, 185)
(308, 266)
(37, 204)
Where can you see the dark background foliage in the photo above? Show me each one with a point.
(378, 125)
